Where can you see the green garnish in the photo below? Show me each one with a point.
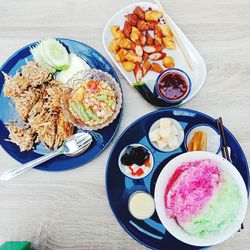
(80, 110)
(102, 97)
(92, 115)
(83, 112)
(137, 84)
(111, 102)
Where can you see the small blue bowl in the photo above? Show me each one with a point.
(186, 77)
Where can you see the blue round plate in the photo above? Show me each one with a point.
(151, 232)
(101, 137)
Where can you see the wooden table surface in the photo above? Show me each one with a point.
(69, 210)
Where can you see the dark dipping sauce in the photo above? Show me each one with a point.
(172, 86)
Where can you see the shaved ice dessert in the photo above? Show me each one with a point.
(202, 198)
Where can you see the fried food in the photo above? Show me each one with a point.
(139, 12)
(152, 15)
(198, 142)
(143, 39)
(149, 39)
(157, 56)
(127, 29)
(165, 30)
(133, 57)
(146, 66)
(132, 19)
(168, 62)
(169, 43)
(117, 33)
(120, 55)
(142, 25)
(125, 43)
(128, 66)
(138, 72)
(37, 98)
(135, 34)
(156, 67)
(114, 46)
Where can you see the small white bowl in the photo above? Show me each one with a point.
(214, 142)
(180, 134)
(171, 225)
(142, 209)
(126, 171)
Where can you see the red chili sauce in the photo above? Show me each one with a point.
(172, 86)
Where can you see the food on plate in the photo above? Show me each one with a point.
(142, 38)
(146, 66)
(169, 43)
(76, 64)
(95, 100)
(117, 33)
(114, 46)
(37, 100)
(136, 161)
(93, 103)
(120, 55)
(203, 137)
(166, 134)
(51, 53)
(152, 15)
(198, 142)
(168, 62)
(141, 205)
(128, 66)
(202, 198)
(156, 67)
(173, 85)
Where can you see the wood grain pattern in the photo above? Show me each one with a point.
(69, 210)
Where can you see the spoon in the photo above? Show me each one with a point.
(74, 146)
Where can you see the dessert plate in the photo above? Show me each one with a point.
(150, 232)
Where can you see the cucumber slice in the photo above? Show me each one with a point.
(76, 64)
(55, 53)
(38, 57)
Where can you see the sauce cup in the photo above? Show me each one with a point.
(175, 83)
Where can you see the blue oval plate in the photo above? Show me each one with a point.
(151, 232)
(101, 137)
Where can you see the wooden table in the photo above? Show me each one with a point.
(69, 210)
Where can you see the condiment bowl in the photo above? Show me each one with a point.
(183, 77)
(180, 135)
(214, 141)
(125, 169)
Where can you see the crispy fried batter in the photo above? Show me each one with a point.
(23, 137)
(37, 99)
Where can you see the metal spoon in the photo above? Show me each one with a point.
(74, 146)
